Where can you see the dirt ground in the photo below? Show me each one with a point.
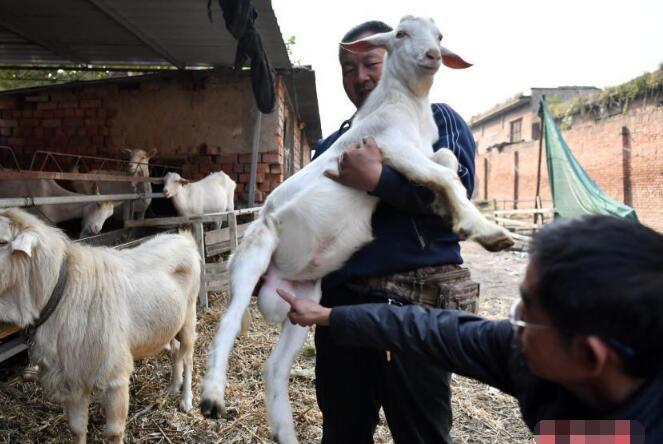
(481, 414)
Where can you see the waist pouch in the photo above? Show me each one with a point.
(444, 286)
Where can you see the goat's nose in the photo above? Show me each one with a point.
(433, 54)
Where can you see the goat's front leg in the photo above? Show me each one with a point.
(76, 410)
(116, 408)
(450, 193)
(277, 371)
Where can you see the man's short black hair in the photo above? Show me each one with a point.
(602, 275)
(369, 27)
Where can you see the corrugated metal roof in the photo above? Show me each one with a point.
(127, 32)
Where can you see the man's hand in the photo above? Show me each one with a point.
(305, 312)
(360, 166)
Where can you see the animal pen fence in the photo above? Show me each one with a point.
(214, 243)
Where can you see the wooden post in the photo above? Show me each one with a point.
(232, 225)
(200, 242)
(255, 147)
(537, 196)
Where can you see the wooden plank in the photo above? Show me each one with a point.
(516, 223)
(525, 211)
(200, 242)
(12, 347)
(219, 267)
(223, 235)
(38, 175)
(211, 277)
(232, 225)
(7, 329)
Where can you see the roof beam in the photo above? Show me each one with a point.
(103, 6)
(48, 44)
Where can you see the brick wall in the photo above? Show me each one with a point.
(202, 123)
(598, 146)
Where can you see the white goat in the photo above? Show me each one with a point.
(92, 214)
(310, 225)
(116, 305)
(212, 194)
(138, 167)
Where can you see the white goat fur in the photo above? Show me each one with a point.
(212, 194)
(93, 215)
(117, 305)
(310, 225)
(139, 167)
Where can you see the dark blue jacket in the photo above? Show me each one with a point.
(470, 346)
(407, 234)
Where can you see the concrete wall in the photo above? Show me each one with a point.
(200, 122)
(629, 170)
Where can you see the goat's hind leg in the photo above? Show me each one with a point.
(468, 222)
(277, 370)
(246, 266)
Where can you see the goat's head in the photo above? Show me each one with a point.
(95, 215)
(139, 160)
(30, 256)
(172, 184)
(414, 49)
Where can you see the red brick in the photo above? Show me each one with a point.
(227, 167)
(90, 112)
(94, 122)
(51, 123)
(238, 168)
(16, 141)
(228, 158)
(46, 105)
(6, 123)
(7, 102)
(28, 123)
(244, 158)
(263, 168)
(73, 121)
(276, 169)
(68, 104)
(5, 131)
(244, 178)
(271, 158)
(38, 98)
(90, 103)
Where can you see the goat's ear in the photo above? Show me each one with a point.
(127, 151)
(381, 40)
(453, 60)
(95, 188)
(24, 243)
(153, 152)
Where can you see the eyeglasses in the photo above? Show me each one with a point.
(516, 317)
(516, 320)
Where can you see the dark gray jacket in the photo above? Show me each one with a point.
(485, 350)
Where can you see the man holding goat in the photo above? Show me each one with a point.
(413, 248)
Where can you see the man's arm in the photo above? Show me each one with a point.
(457, 341)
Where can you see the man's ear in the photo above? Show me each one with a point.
(591, 353)
(381, 40)
(24, 243)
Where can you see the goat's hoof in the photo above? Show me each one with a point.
(211, 409)
(495, 242)
(186, 405)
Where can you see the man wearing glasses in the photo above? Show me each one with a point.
(584, 341)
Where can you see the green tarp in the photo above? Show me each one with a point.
(574, 193)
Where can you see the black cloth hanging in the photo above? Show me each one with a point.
(240, 16)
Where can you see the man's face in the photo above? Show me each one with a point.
(548, 354)
(361, 72)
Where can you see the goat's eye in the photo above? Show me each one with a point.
(3, 242)
(439, 37)
(401, 34)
